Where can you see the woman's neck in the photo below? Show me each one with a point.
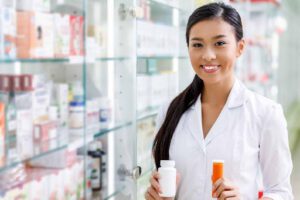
(216, 94)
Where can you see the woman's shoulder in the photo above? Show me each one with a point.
(261, 104)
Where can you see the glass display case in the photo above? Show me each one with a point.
(81, 82)
(258, 66)
(163, 69)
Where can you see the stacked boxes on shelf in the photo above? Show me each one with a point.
(31, 31)
(35, 35)
(162, 88)
(31, 124)
(156, 39)
(44, 183)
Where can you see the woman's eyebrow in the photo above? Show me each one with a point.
(215, 37)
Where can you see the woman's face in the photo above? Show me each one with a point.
(213, 50)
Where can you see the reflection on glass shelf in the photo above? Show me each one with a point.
(113, 59)
(30, 150)
(31, 180)
(71, 60)
(112, 127)
(158, 57)
(33, 60)
(150, 112)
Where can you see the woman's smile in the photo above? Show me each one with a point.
(210, 68)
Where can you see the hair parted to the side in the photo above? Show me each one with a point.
(189, 96)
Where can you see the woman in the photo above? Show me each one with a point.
(216, 117)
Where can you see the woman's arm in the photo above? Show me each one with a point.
(275, 157)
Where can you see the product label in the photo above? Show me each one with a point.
(104, 115)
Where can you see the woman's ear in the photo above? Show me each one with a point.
(240, 47)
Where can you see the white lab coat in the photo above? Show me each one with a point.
(250, 133)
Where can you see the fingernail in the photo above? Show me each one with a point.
(214, 195)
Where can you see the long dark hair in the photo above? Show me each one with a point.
(189, 96)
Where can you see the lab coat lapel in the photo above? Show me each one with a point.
(235, 100)
(194, 122)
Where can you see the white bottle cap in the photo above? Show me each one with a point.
(167, 163)
(218, 161)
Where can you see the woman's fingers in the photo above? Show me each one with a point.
(154, 182)
(177, 179)
(224, 189)
(153, 193)
(227, 194)
(148, 196)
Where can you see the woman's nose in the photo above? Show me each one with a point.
(208, 54)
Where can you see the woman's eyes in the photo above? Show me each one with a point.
(220, 43)
(197, 45)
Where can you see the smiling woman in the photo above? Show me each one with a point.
(213, 50)
(217, 118)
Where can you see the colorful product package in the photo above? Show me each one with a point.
(76, 39)
(35, 35)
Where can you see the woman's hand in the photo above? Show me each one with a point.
(224, 189)
(153, 191)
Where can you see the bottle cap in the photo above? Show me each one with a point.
(167, 163)
(218, 161)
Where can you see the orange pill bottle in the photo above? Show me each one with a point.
(217, 171)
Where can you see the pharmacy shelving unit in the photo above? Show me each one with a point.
(258, 67)
(163, 69)
(75, 119)
(42, 62)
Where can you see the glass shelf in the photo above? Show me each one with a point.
(29, 60)
(40, 149)
(151, 112)
(159, 57)
(71, 60)
(112, 128)
(113, 59)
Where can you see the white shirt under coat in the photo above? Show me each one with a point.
(250, 132)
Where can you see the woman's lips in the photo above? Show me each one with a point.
(210, 68)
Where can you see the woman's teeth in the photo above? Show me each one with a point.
(210, 68)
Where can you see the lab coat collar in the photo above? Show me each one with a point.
(236, 98)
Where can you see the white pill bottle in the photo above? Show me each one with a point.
(167, 180)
